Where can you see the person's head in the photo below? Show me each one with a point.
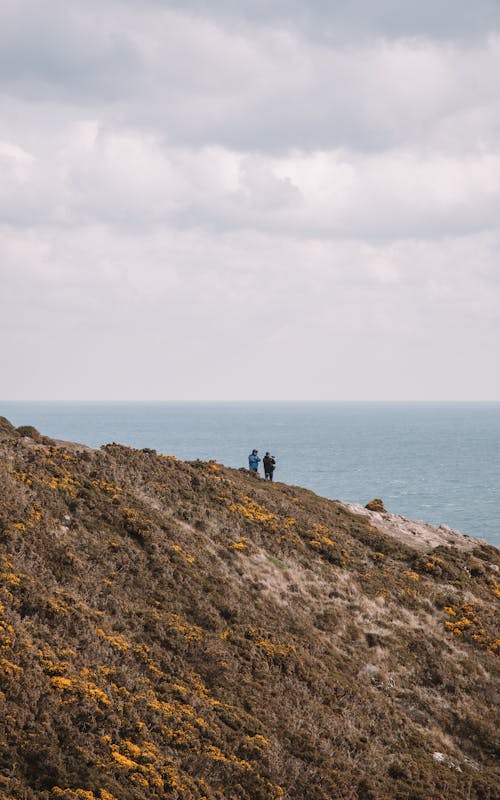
(254, 452)
(267, 453)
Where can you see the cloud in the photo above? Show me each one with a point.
(62, 52)
(131, 181)
(192, 194)
(357, 19)
(201, 81)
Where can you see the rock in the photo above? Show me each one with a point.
(421, 535)
(376, 505)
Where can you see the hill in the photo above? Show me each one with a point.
(187, 631)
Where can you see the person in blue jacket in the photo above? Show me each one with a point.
(253, 461)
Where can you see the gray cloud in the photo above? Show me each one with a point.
(57, 52)
(348, 21)
(201, 80)
(192, 194)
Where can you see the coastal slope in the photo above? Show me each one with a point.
(184, 630)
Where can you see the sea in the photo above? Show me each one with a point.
(435, 462)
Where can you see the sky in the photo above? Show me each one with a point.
(249, 200)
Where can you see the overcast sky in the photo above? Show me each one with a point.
(250, 199)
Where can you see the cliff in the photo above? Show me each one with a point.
(184, 630)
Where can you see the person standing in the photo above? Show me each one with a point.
(253, 462)
(269, 466)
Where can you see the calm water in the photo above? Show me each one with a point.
(434, 462)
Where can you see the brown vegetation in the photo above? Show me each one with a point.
(181, 630)
(376, 505)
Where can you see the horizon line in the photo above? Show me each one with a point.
(249, 402)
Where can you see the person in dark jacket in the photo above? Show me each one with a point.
(269, 466)
(253, 462)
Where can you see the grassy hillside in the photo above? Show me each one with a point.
(183, 630)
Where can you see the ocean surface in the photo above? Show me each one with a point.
(437, 462)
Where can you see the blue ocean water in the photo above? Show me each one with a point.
(434, 462)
